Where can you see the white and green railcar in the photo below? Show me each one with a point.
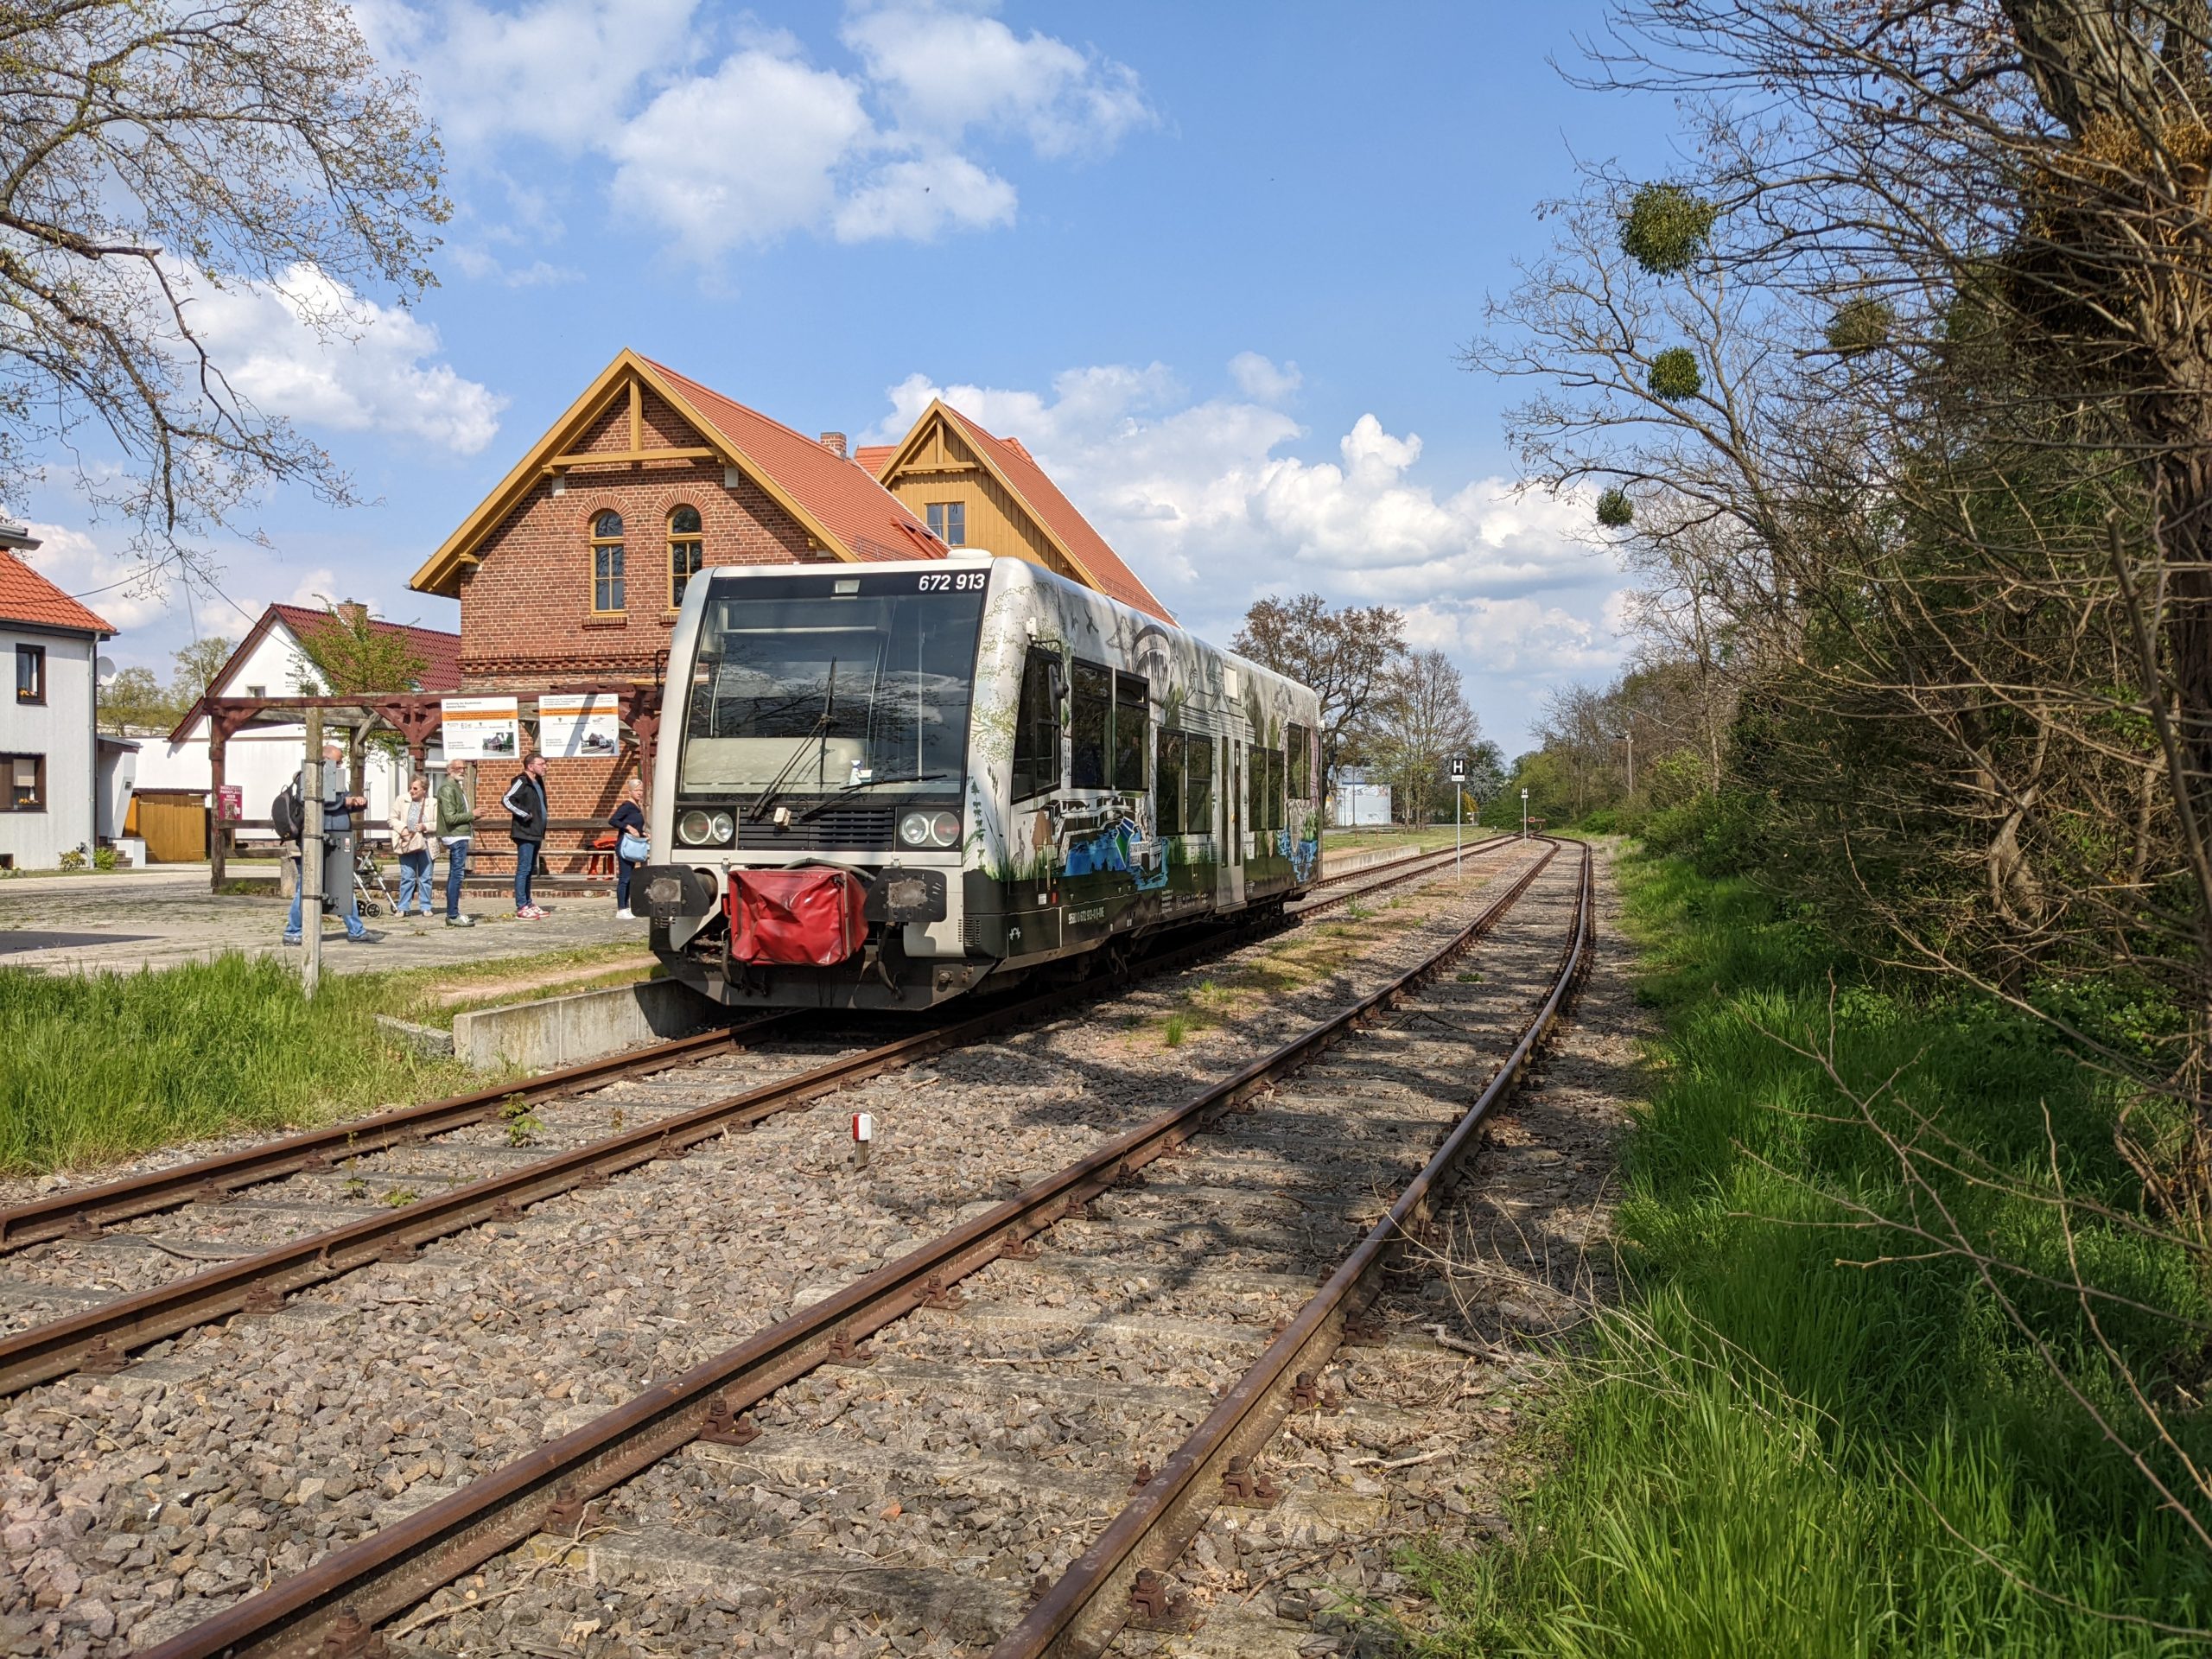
(883, 786)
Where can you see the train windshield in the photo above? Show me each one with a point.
(815, 692)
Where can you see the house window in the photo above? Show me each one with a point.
(256, 690)
(607, 562)
(949, 522)
(30, 673)
(686, 552)
(24, 775)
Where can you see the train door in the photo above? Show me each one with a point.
(1232, 812)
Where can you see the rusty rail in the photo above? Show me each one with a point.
(348, 1591)
(1081, 1614)
(100, 1338)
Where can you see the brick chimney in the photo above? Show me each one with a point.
(835, 444)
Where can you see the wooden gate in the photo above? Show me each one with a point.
(174, 823)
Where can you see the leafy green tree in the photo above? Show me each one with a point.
(136, 699)
(352, 650)
(197, 665)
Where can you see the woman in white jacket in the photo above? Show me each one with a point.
(413, 822)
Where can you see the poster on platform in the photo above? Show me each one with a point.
(479, 729)
(584, 726)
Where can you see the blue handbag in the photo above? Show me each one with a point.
(633, 849)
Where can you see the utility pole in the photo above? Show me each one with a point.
(311, 858)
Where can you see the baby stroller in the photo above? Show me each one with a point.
(371, 896)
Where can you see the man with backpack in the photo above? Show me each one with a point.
(526, 815)
(338, 808)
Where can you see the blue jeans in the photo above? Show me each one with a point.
(414, 880)
(456, 867)
(526, 857)
(351, 910)
(624, 869)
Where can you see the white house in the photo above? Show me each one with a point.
(1360, 802)
(261, 759)
(50, 755)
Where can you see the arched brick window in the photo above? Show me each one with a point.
(686, 552)
(606, 562)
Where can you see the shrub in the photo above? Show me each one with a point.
(1615, 510)
(103, 858)
(1675, 374)
(1666, 228)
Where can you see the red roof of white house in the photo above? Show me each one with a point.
(440, 651)
(870, 520)
(25, 596)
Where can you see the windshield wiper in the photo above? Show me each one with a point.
(820, 729)
(867, 783)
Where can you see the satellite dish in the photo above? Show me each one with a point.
(104, 667)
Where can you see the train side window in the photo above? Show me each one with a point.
(1197, 791)
(1132, 710)
(1090, 695)
(1037, 727)
(1301, 764)
(1170, 815)
(1276, 814)
(1263, 786)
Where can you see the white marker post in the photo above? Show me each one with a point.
(1459, 777)
(1524, 814)
(863, 1136)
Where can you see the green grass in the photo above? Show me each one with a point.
(100, 1066)
(1770, 1452)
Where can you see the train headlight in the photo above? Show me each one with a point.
(695, 829)
(725, 829)
(914, 829)
(945, 829)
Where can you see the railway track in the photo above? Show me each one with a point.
(360, 1193)
(1144, 1320)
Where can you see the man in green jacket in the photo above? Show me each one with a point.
(456, 826)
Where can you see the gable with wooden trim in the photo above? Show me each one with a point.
(1010, 504)
(608, 429)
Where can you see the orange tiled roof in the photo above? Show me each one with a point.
(871, 457)
(1058, 514)
(859, 511)
(25, 596)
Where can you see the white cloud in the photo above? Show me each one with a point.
(318, 586)
(1207, 503)
(745, 155)
(555, 72)
(310, 349)
(919, 198)
(945, 68)
(486, 267)
(1258, 379)
(722, 146)
(114, 586)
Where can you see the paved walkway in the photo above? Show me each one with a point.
(153, 918)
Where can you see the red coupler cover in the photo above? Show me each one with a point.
(795, 915)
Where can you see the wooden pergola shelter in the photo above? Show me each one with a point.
(415, 717)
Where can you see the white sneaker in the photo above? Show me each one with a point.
(625, 916)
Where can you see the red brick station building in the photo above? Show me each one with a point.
(569, 573)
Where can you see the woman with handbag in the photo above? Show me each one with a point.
(632, 849)
(413, 820)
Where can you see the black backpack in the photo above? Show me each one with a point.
(285, 815)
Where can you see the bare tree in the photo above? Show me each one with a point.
(154, 150)
(1345, 654)
(1419, 722)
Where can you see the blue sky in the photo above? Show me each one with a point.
(1212, 264)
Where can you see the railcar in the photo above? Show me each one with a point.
(885, 785)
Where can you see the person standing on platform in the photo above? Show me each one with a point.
(412, 822)
(457, 828)
(632, 849)
(526, 815)
(338, 893)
